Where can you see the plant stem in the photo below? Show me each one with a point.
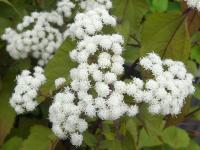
(186, 12)
(192, 113)
(117, 130)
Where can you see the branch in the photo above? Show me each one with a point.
(100, 136)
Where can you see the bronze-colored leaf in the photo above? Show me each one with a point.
(193, 19)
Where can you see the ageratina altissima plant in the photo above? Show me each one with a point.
(96, 90)
(38, 35)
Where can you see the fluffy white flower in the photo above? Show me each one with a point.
(97, 75)
(89, 23)
(25, 92)
(166, 93)
(76, 139)
(118, 58)
(37, 34)
(64, 114)
(65, 7)
(92, 68)
(120, 86)
(105, 43)
(92, 4)
(110, 77)
(155, 109)
(117, 68)
(104, 62)
(102, 89)
(133, 110)
(59, 82)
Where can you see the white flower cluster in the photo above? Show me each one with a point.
(92, 4)
(96, 91)
(89, 23)
(38, 35)
(25, 92)
(166, 93)
(194, 4)
(100, 64)
(59, 82)
(64, 7)
(64, 114)
(100, 61)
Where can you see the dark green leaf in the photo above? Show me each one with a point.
(111, 145)
(131, 127)
(89, 139)
(124, 29)
(40, 138)
(176, 137)
(23, 126)
(4, 23)
(195, 54)
(131, 54)
(146, 140)
(128, 142)
(58, 66)
(174, 6)
(12, 144)
(191, 67)
(152, 124)
(131, 11)
(197, 92)
(192, 146)
(9, 4)
(159, 5)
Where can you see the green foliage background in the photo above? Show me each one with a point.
(162, 26)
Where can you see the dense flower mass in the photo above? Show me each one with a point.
(194, 4)
(92, 4)
(59, 82)
(26, 90)
(96, 90)
(64, 114)
(38, 35)
(89, 23)
(100, 76)
(166, 93)
(100, 63)
(64, 7)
